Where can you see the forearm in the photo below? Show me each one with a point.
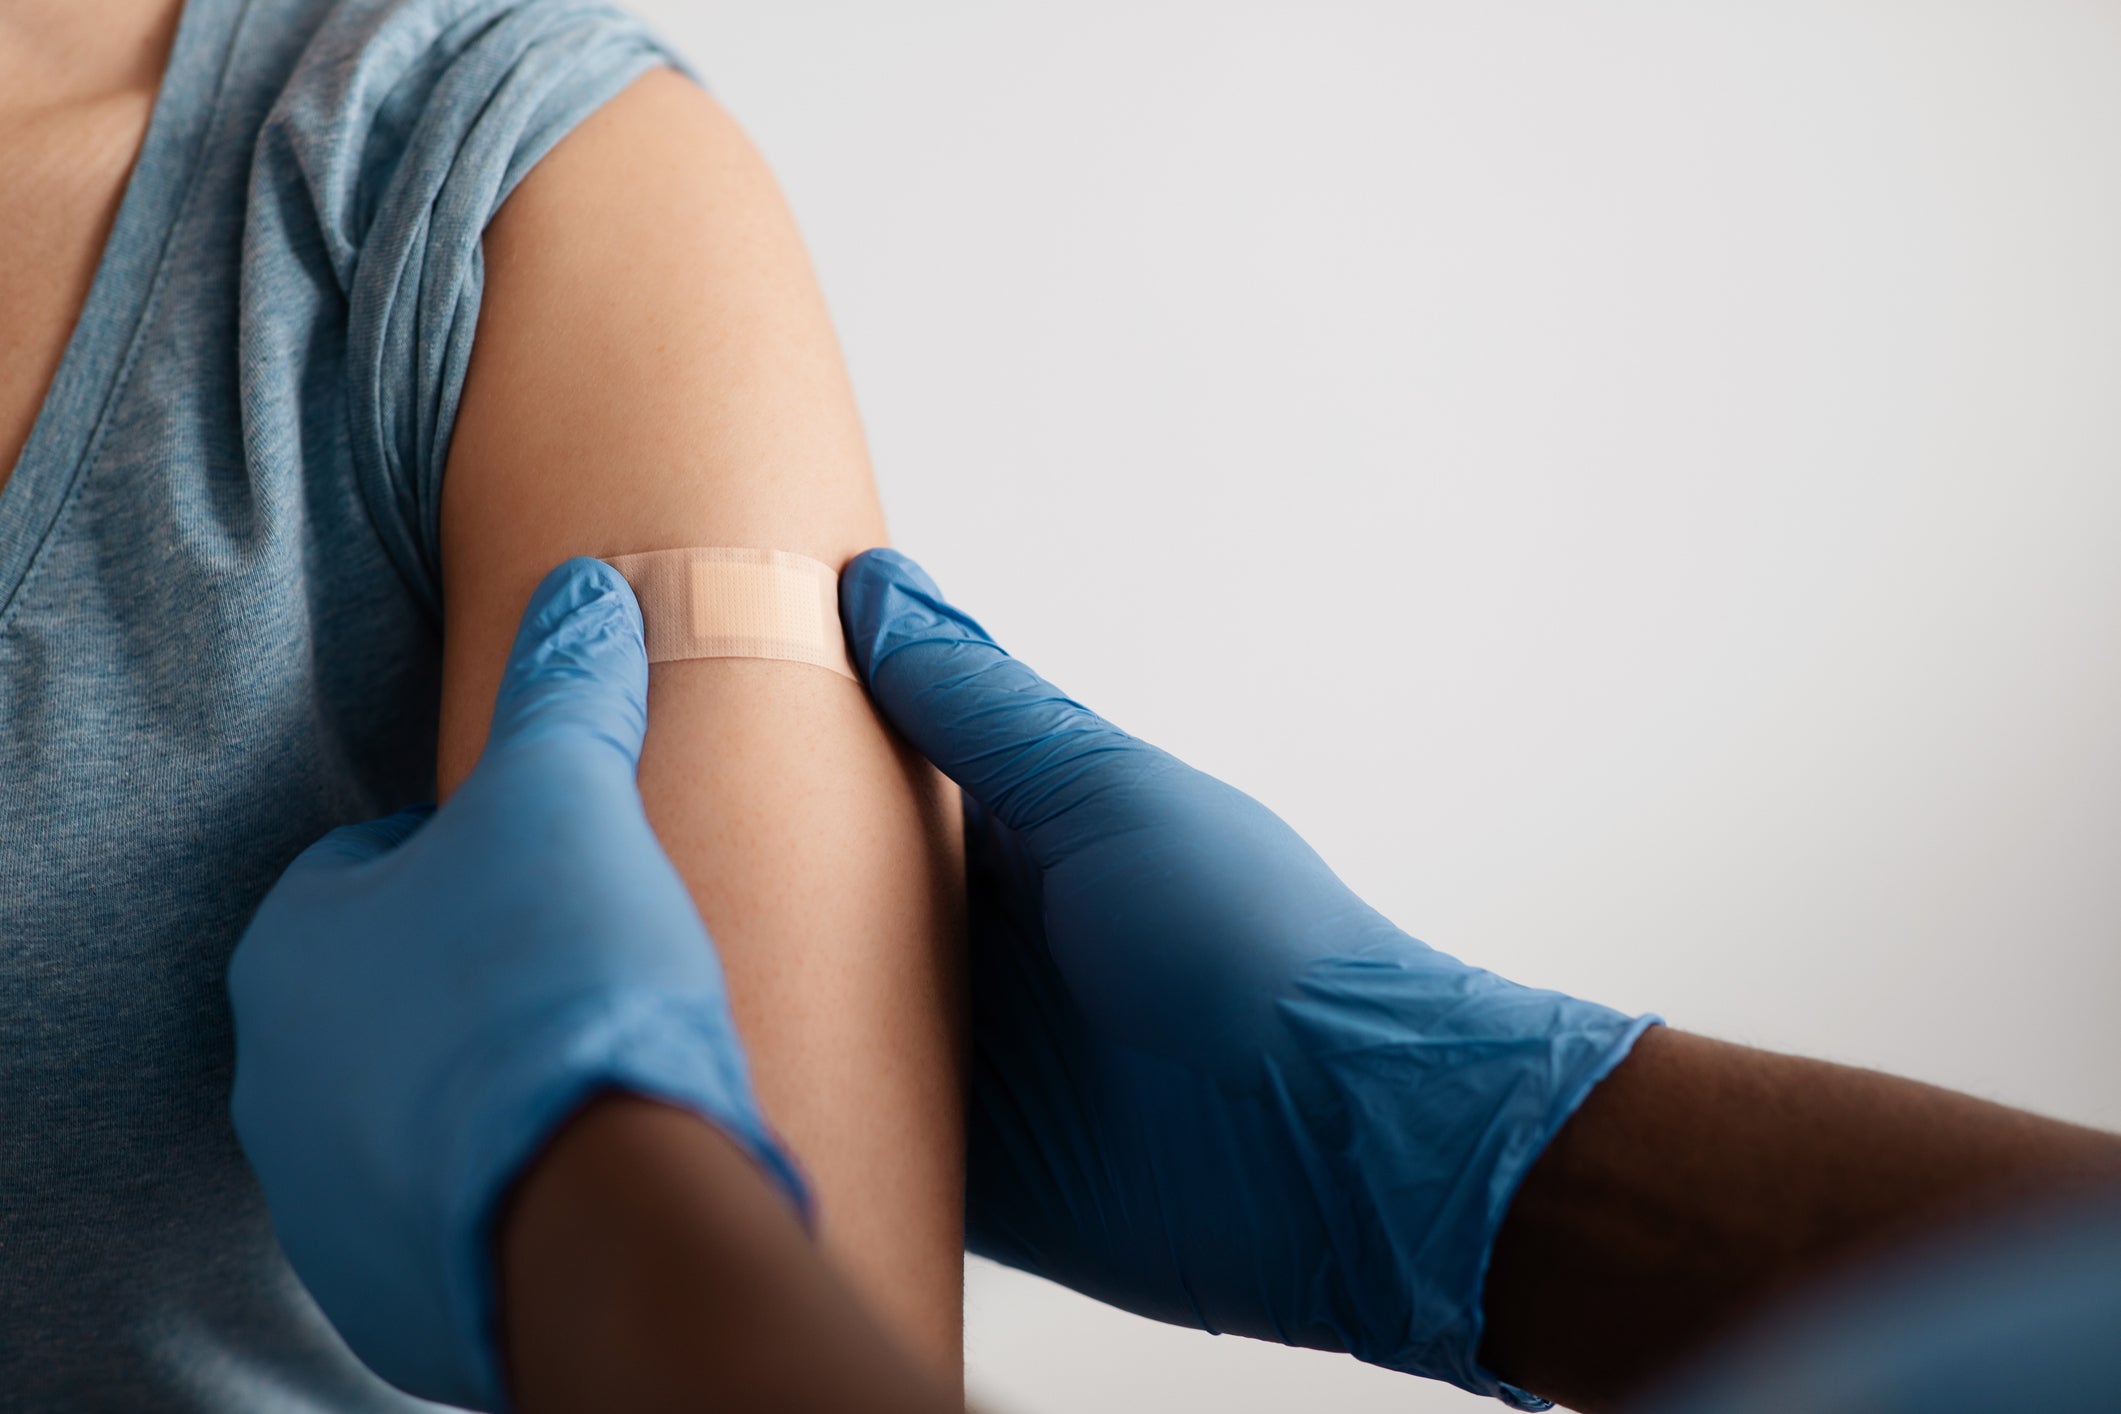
(1701, 1181)
(646, 1264)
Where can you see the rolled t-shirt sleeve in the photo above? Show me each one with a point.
(410, 122)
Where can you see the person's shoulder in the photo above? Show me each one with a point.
(662, 165)
(402, 128)
(395, 106)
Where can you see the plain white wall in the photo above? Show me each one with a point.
(1638, 485)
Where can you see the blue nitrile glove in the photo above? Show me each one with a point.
(1210, 1084)
(422, 1000)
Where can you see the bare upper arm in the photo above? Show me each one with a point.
(654, 368)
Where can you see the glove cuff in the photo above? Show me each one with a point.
(1503, 1191)
(1451, 1081)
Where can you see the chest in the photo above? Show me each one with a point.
(63, 169)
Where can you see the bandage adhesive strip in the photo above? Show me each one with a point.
(724, 602)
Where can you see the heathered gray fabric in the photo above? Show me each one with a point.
(218, 639)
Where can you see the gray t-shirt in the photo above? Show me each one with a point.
(219, 638)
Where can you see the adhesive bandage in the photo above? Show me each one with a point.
(719, 602)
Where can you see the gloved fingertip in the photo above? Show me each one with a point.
(987, 720)
(870, 586)
(888, 602)
(580, 660)
(886, 565)
(582, 585)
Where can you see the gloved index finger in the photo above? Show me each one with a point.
(579, 664)
(1016, 743)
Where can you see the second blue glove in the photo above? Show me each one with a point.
(422, 1000)
(1210, 1084)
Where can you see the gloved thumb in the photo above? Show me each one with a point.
(579, 666)
(1017, 744)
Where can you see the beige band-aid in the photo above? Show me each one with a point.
(719, 602)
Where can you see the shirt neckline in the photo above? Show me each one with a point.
(129, 272)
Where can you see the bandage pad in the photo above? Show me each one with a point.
(722, 602)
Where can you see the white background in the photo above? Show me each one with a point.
(1638, 485)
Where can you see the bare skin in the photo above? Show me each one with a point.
(647, 1265)
(77, 83)
(654, 368)
(1704, 1182)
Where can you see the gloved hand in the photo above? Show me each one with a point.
(1210, 1084)
(421, 1000)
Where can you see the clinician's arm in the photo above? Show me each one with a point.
(1213, 1086)
(647, 1264)
(1703, 1182)
(654, 368)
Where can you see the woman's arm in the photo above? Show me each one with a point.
(654, 368)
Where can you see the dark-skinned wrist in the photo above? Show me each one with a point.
(647, 1262)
